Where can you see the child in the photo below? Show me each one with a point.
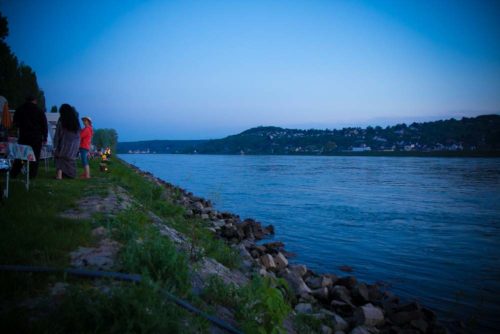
(85, 140)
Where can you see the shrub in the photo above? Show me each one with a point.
(260, 305)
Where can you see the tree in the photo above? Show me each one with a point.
(105, 138)
(4, 27)
(17, 80)
(53, 109)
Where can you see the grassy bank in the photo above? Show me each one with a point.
(34, 232)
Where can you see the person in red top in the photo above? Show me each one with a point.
(85, 140)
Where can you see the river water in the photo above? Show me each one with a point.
(429, 228)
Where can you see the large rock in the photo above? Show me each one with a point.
(295, 282)
(298, 269)
(328, 280)
(401, 318)
(307, 298)
(229, 232)
(374, 293)
(313, 282)
(247, 231)
(360, 294)
(369, 315)
(346, 309)
(253, 229)
(408, 307)
(390, 302)
(274, 247)
(420, 324)
(269, 229)
(303, 308)
(208, 267)
(218, 223)
(347, 281)
(243, 252)
(339, 324)
(430, 315)
(364, 330)
(316, 282)
(326, 330)
(198, 207)
(255, 254)
(339, 292)
(281, 261)
(207, 210)
(320, 293)
(409, 331)
(268, 262)
(261, 249)
(438, 329)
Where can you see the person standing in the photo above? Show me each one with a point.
(32, 124)
(66, 142)
(85, 140)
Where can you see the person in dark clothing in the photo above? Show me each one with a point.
(32, 124)
(66, 142)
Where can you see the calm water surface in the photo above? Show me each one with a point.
(427, 227)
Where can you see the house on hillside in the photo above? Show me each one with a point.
(362, 148)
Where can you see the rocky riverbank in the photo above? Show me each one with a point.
(346, 304)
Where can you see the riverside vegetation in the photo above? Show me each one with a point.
(129, 221)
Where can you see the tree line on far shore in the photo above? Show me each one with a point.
(469, 136)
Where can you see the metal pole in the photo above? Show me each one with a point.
(28, 176)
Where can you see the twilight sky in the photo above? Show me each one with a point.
(207, 69)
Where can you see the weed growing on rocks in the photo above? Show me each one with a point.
(260, 306)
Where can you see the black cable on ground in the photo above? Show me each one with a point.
(119, 277)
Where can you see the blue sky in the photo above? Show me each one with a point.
(207, 69)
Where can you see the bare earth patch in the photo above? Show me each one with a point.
(116, 200)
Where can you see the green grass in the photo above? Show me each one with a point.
(32, 233)
(126, 308)
(146, 252)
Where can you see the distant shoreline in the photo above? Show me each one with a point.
(436, 154)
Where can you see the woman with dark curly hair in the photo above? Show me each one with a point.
(66, 142)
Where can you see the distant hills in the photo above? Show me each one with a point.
(468, 136)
